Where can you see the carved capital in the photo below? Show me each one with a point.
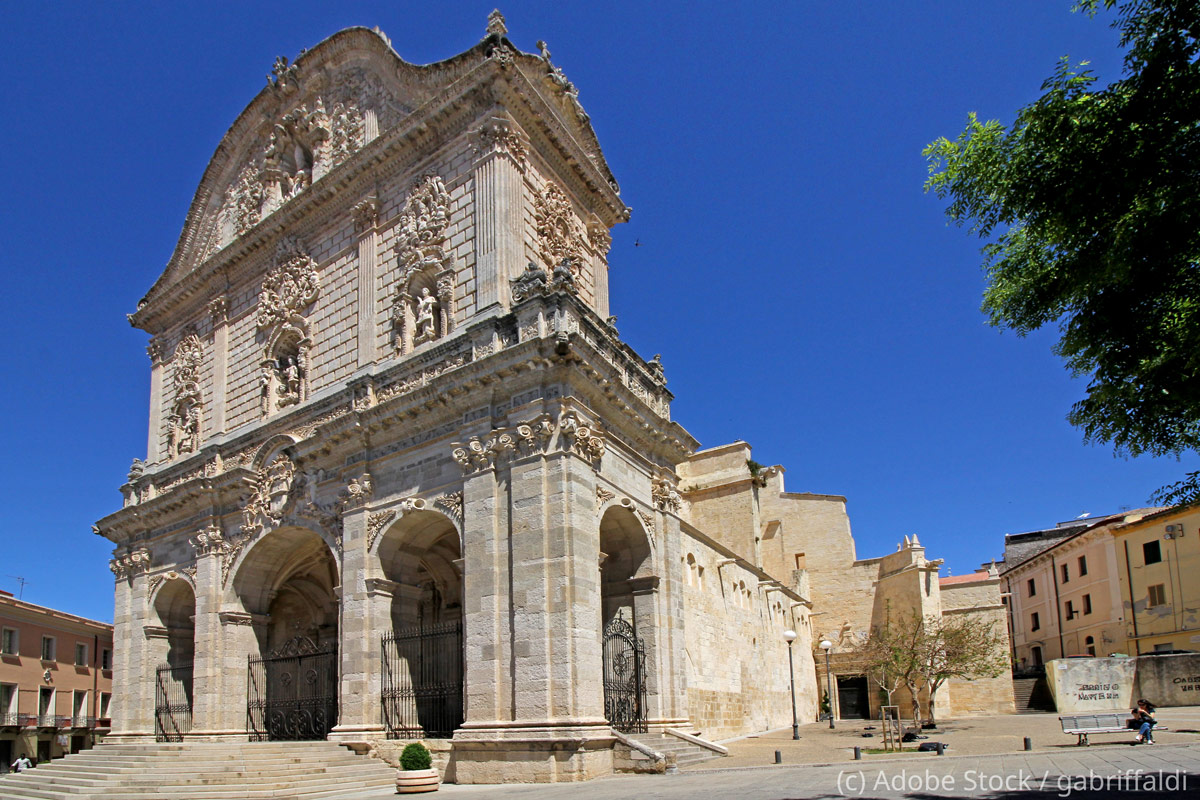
(357, 492)
(499, 136)
(209, 541)
(132, 564)
(156, 350)
(365, 214)
(527, 438)
(665, 496)
(218, 309)
(586, 441)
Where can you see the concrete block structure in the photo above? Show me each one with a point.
(403, 478)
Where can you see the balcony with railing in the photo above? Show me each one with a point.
(10, 719)
(46, 721)
(83, 721)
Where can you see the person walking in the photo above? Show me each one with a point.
(1143, 715)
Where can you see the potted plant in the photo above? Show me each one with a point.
(416, 773)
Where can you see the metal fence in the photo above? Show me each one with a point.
(423, 681)
(292, 694)
(172, 702)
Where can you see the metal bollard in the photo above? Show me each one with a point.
(941, 748)
(1028, 743)
(778, 757)
(858, 754)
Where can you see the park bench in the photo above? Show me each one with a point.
(1084, 725)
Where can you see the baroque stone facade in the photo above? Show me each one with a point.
(390, 302)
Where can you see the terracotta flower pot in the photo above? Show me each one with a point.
(410, 781)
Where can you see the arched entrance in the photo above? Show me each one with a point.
(175, 611)
(288, 583)
(625, 599)
(422, 691)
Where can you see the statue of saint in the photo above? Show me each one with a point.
(426, 327)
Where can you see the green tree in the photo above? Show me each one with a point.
(1089, 209)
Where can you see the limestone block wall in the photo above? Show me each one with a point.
(737, 660)
(979, 600)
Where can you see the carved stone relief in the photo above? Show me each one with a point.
(534, 281)
(375, 525)
(666, 498)
(500, 136)
(183, 423)
(423, 306)
(291, 284)
(479, 453)
(586, 441)
(136, 562)
(558, 230)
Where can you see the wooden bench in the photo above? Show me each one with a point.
(1084, 725)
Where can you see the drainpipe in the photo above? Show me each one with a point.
(1062, 649)
(1132, 608)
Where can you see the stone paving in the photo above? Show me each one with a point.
(985, 760)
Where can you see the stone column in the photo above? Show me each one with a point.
(670, 641)
(358, 647)
(366, 214)
(125, 659)
(212, 685)
(240, 633)
(218, 309)
(499, 211)
(154, 436)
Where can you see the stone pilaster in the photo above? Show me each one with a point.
(126, 666)
(218, 310)
(155, 351)
(499, 213)
(366, 214)
(211, 687)
(358, 649)
(669, 633)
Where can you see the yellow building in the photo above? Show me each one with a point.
(1158, 559)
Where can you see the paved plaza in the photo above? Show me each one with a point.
(985, 759)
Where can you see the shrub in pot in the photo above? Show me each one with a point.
(416, 773)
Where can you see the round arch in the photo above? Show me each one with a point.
(421, 554)
(174, 608)
(625, 555)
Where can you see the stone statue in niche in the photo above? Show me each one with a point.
(426, 322)
(289, 380)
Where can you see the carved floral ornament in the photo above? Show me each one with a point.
(291, 284)
(133, 563)
(502, 444)
(586, 441)
(559, 235)
(423, 222)
(423, 306)
(666, 498)
(500, 136)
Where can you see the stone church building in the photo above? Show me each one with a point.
(403, 478)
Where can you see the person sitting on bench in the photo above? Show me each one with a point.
(1143, 718)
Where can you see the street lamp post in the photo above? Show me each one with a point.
(827, 645)
(789, 636)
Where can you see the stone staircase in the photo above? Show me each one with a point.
(201, 771)
(1032, 695)
(685, 751)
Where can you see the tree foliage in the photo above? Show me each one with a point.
(1089, 209)
(919, 652)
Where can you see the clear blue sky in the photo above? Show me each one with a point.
(805, 294)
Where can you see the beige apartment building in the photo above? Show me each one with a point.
(55, 681)
(1159, 560)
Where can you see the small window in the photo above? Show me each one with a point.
(800, 561)
(1158, 595)
(1165, 647)
(48, 648)
(1090, 643)
(1082, 566)
(105, 702)
(81, 654)
(1032, 588)
(1151, 552)
(1037, 622)
(1087, 604)
(1070, 610)
(1066, 574)
(10, 642)
(106, 659)
(8, 699)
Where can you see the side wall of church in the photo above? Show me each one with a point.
(985, 695)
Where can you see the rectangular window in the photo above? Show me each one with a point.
(105, 702)
(45, 702)
(8, 699)
(79, 705)
(10, 642)
(106, 659)
(1070, 610)
(1087, 604)
(1066, 576)
(1032, 588)
(1082, 565)
(1164, 647)
(1151, 552)
(1158, 595)
(1036, 622)
(48, 648)
(80, 654)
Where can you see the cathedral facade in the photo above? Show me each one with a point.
(403, 478)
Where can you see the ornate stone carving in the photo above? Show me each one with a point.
(273, 489)
(666, 498)
(527, 438)
(602, 496)
(599, 238)
(365, 213)
(190, 572)
(495, 24)
(183, 424)
(422, 229)
(422, 309)
(136, 470)
(136, 562)
(357, 492)
(292, 283)
(500, 136)
(283, 77)
(503, 55)
(209, 541)
(585, 440)
(534, 281)
(156, 350)
(375, 525)
(217, 309)
(559, 238)
(647, 520)
(452, 502)
(243, 200)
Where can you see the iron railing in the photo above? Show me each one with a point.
(292, 694)
(423, 681)
(172, 702)
(10, 719)
(624, 677)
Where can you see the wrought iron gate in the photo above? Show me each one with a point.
(624, 677)
(423, 681)
(172, 702)
(292, 693)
